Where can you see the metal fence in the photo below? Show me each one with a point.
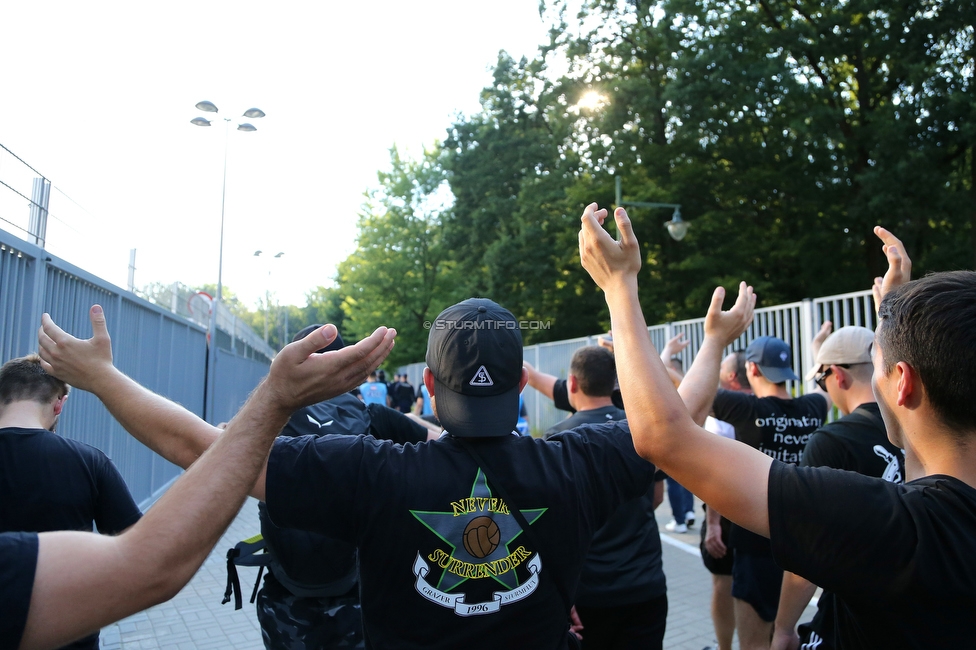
(796, 323)
(161, 350)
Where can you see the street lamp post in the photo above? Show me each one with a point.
(210, 107)
(267, 299)
(677, 227)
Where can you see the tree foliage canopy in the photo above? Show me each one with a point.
(786, 131)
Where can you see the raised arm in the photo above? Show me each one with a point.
(700, 384)
(85, 581)
(540, 381)
(166, 427)
(815, 344)
(899, 266)
(731, 476)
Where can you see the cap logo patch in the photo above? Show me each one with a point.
(783, 356)
(482, 378)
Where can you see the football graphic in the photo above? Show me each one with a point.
(481, 537)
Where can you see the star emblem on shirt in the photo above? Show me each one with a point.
(450, 528)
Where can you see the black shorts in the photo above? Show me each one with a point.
(720, 566)
(757, 580)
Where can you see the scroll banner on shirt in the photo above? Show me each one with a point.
(456, 601)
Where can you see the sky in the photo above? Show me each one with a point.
(98, 97)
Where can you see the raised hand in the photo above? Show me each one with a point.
(80, 363)
(299, 376)
(899, 266)
(727, 326)
(674, 345)
(609, 261)
(820, 337)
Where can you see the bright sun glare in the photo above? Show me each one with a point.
(592, 100)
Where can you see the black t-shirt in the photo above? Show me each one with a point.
(901, 559)
(780, 428)
(560, 397)
(403, 396)
(313, 565)
(18, 562)
(592, 416)
(52, 483)
(443, 563)
(858, 443)
(624, 563)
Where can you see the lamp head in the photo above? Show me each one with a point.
(206, 107)
(246, 127)
(677, 228)
(200, 121)
(253, 113)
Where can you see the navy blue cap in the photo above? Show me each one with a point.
(474, 351)
(774, 358)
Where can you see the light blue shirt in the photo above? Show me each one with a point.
(373, 392)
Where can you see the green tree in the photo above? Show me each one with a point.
(324, 305)
(786, 132)
(400, 274)
(513, 227)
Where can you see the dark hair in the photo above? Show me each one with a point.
(930, 324)
(24, 379)
(595, 370)
(741, 375)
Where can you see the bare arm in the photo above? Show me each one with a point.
(731, 476)
(433, 431)
(85, 581)
(700, 384)
(658, 493)
(818, 340)
(713, 536)
(166, 427)
(793, 599)
(674, 345)
(540, 381)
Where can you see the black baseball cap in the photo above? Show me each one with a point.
(474, 352)
(774, 358)
(337, 344)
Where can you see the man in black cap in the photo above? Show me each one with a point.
(773, 422)
(474, 539)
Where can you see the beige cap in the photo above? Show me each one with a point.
(847, 346)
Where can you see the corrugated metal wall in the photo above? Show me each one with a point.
(162, 351)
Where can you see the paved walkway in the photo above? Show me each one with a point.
(196, 619)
